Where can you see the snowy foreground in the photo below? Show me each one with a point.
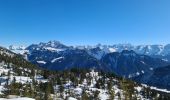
(22, 98)
(25, 98)
(109, 87)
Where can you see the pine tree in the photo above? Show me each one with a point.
(112, 94)
(96, 95)
(84, 95)
(47, 91)
(61, 89)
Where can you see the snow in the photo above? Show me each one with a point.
(142, 62)
(71, 98)
(151, 68)
(12, 47)
(53, 49)
(155, 88)
(165, 60)
(56, 59)
(103, 96)
(1, 89)
(39, 78)
(41, 62)
(98, 54)
(3, 70)
(103, 93)
(19, 79)
(137, 73)
(138, 88)
(22, 52)
(78, 90)
(162, 90)
(112, 50)
(80, 47)
(142, 71)
(18, 49)
(22, 79)
(151, 49)
(21, 98)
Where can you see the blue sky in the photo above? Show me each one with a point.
(76, 22)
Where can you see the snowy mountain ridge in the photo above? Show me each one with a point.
(98, 51)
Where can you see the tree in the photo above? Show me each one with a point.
(109, 85)
(48, 90)
(112, 94)
(84, 95)
(96, 95)
(61, 89)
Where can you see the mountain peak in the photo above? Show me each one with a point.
(14, 47)
(54, 42)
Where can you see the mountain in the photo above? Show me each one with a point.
(15, 72)
(134, 62)
(12, 47)
(56, 56)
(123, 59)
(98, 51)
(156, 51)
(19, 79)
(160, 77)
(130, 64)
(64, 60)
(76, 76)
(51, 46)
(15, 62)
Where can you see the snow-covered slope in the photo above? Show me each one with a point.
(16, 71)
(18, 49)
(18, 98)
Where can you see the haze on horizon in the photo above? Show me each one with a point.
(84, 22)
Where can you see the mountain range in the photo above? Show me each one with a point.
(156, 51)
(21, 80)
(140, 63)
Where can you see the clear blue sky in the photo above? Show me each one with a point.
(76, 22)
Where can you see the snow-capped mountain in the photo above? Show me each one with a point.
(119, 59)
(54, 54)
(123, 59)
(157, 51)
(98, 51)
(126, 62)
(18, 49)
(12, 47)
(54, 46)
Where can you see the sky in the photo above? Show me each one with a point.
(84, 22)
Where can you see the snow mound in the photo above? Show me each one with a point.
(71, 98)
(22, 98)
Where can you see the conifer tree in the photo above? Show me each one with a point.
(84, 95)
